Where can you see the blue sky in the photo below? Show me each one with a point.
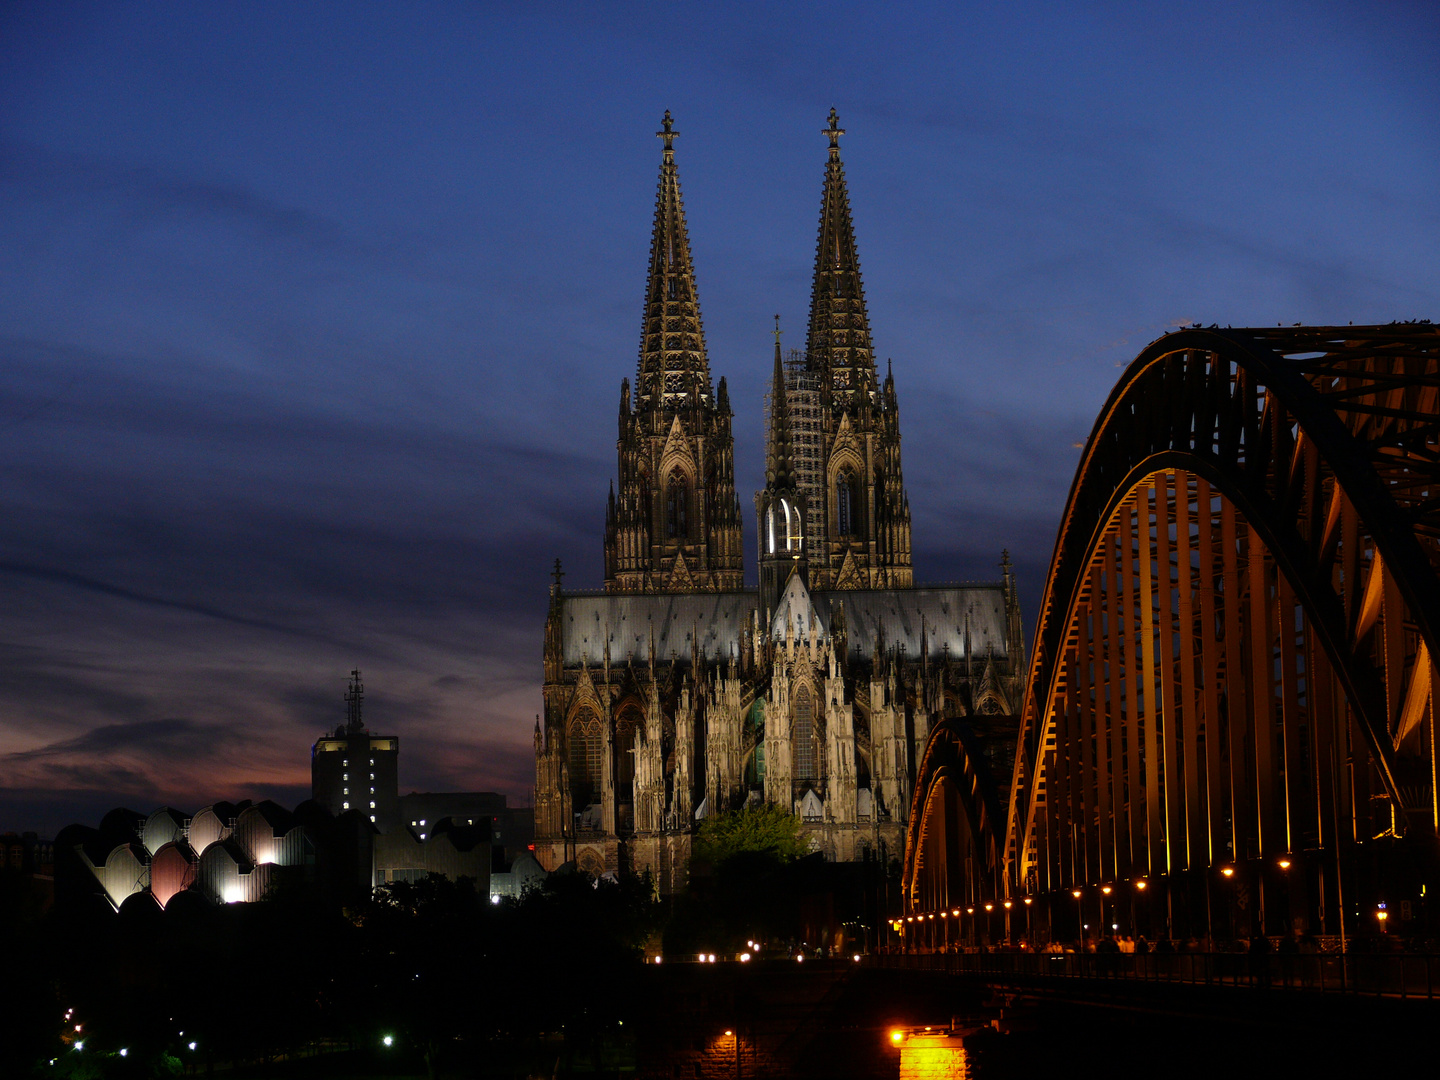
(314, 316)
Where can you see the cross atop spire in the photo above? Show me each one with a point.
(834, 131)
(669, 134)
(777, 331)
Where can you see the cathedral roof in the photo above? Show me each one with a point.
(930, 617)
(630, 619)
(938, 613)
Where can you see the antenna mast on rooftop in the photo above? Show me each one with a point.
(353, 699)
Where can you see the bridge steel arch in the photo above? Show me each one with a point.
(952, 867)
(1232, 685)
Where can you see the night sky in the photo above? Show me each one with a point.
(313, 318)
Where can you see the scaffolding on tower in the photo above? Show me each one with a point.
(802, 395)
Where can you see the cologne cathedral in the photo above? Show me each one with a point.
(675, 693)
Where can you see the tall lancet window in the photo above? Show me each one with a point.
(625, 749)
(804, 738)
(845, 500)
(585, 747)
(677, 498)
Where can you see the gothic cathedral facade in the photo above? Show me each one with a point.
(675, 693)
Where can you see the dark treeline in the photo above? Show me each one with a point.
(435, 965)
(460, 984)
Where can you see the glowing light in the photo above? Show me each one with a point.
(1284, 864)
(944, 914)
(897, 1036)
(124, 1051)
(388, 1040)
(1140, 885)
(909, 918)
(799, 958)
(1105, 889)
(728, 1032)
(1008, 905)
(1029, 900)
(657, 959)
(77, 1027)
(744, 957)
(702, 957)
(857, 957)
(1382, 915)
(1228, 871)
(192, 1046)
(956, 913)
(495, 899)
(969, 911)
(79, 1044)
(712, 958)
(989, 907)
(1075, 893)
(233, 894)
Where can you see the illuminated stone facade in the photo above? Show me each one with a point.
(675, 693)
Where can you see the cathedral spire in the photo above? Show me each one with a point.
(673, 365)
(838, 346)
(780, 449)
(676, 525)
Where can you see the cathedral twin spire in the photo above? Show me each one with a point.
(673, 364)
(673, 523)
(838, 344)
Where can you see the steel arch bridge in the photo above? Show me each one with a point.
(1232, 686)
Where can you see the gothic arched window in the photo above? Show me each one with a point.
(585, 746)
(846, 499)
(804, 737)
(677, 498)
(625, 749)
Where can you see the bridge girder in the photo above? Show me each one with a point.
(1273, 479)
(955, 819)
(1236, 653)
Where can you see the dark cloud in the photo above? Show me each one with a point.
(318, 370)
(145, 193)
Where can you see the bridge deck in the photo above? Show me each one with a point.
(1394, 975)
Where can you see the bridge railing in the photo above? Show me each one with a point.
(1401, 975)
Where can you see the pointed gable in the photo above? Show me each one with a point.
(680, 579)
(849, 575)
(794, 610)
(677, 452)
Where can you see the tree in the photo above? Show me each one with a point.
(769, 832)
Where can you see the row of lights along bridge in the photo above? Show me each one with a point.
(1105, 891)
